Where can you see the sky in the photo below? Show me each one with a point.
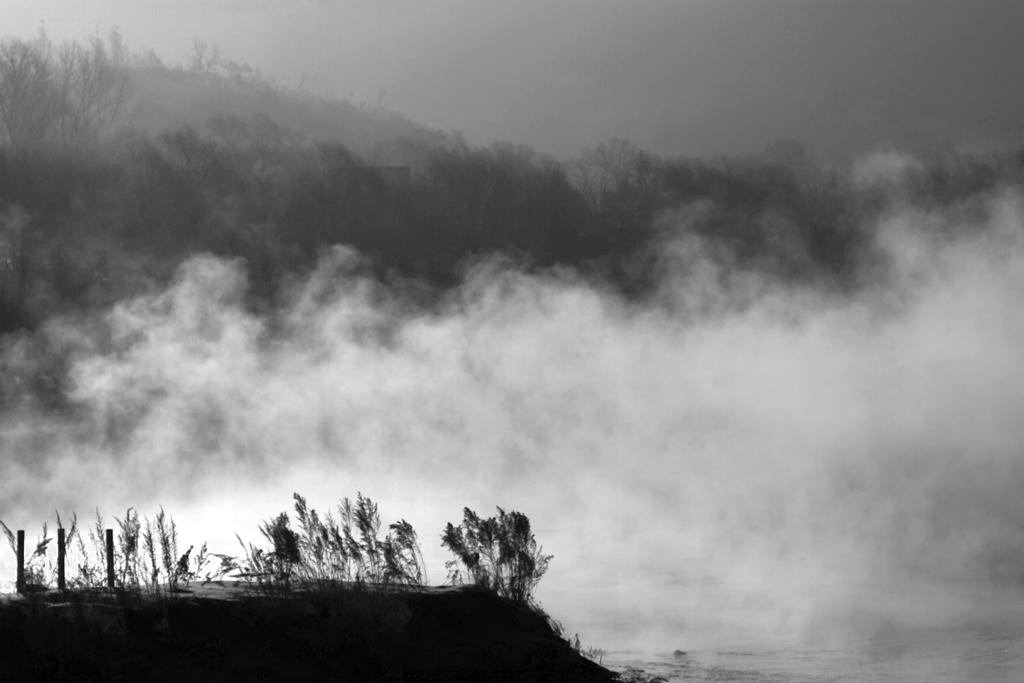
(698, 470)
(688, 77)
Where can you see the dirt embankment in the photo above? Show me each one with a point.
(223, 633)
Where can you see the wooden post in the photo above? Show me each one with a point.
(60, 559)
(20, 584)
(110, 558)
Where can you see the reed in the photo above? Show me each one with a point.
(499, 552)
(33, 565)
(333, 579)
(325, 551)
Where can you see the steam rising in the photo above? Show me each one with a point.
(728, 448)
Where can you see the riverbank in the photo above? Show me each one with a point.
(229, 631)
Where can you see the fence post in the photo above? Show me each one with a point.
(110, 558)
(20, 584)
(60, 559)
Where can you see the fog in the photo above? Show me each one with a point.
(698, 77)
(731, 458)
(712, 455)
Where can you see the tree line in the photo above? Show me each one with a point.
(68, 94)
(90, 209)
(79, 226)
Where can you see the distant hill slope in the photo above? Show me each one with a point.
(168, 98)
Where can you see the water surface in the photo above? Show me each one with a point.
(977, 652)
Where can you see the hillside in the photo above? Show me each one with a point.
(168, 98)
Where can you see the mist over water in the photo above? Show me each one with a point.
(732, 459)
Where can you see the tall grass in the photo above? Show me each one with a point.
(499, 552)
(326, 550)
(33, 563)
(158, 567)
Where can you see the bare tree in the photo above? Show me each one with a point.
(604, 169)
(93, 89)
(13, 265)
(30, 104)
(119, 53)
(72, 94)
(189, 154)
(204, 56)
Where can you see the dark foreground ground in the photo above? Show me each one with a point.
(221, 632)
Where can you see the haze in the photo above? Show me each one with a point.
(754, 395)
(694, 77)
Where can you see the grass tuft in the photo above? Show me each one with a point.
(500, 553)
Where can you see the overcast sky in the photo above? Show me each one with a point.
(688, 76)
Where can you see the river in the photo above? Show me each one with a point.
(976, 651)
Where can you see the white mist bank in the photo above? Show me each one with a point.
(695, 471)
